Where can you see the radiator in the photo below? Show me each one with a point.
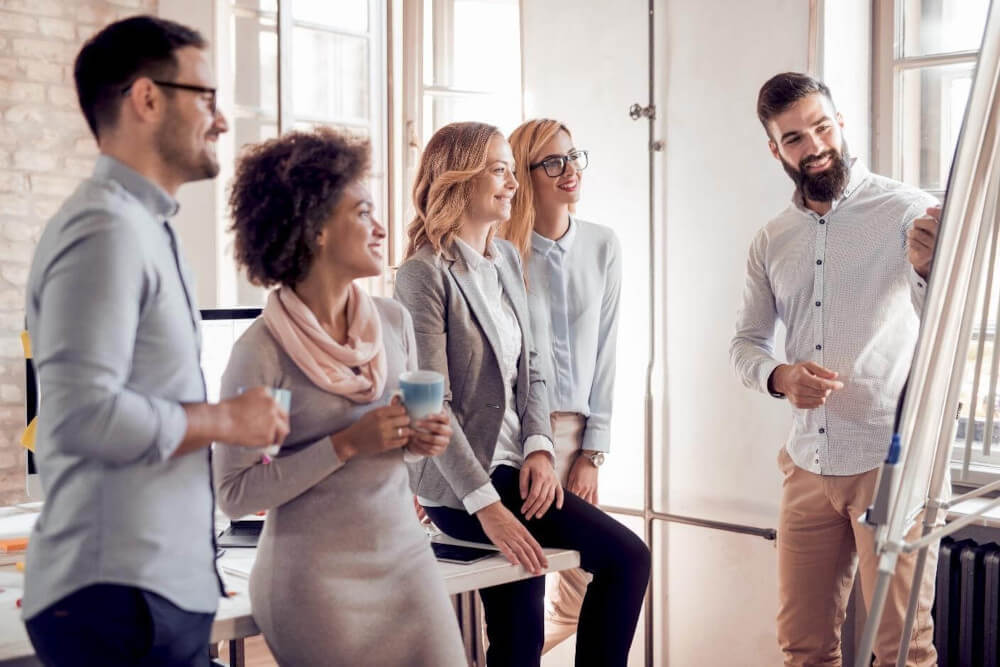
(967, 604)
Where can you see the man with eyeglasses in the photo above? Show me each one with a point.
(120, 565)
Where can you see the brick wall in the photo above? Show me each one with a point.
(45, 148)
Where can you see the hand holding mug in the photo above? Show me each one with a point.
(431, 435)
(378, 430)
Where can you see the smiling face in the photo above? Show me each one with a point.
(493, 188)
(353, 239)
(807, 138)
(187, 135)
(560, 190)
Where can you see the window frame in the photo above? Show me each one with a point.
(889, 63)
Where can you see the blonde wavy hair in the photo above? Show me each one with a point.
(526, 143)
(452, 158)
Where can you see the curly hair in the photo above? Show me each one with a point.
(452, 158)
(526, 143)
(284, 191)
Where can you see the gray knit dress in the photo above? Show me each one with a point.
(344, 573)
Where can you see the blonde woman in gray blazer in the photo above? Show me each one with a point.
(496, 481)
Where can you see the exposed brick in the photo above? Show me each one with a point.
(43, 208)
(13, 204)
(34, 70)
(16, 251)
(47, 50)
(8, 68)
(17, 91)
(46, 184)
(9, 394)
(62, 96)
(12, 298)
(34, 161)
(17, 230)
(86, 146)
(35, 7)
(17, 23)
(24, 114)
(57, 28)
(10, 182)
(79, 166)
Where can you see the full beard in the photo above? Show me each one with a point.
(826, 185)
(194, 165)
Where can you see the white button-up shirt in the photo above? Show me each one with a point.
(509, 450)
(849, 299)
(574, 285)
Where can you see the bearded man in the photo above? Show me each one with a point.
(844, 267)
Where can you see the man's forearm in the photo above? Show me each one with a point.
(206, 423)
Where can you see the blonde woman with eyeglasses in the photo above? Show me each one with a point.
(573, 284)
(496, 481)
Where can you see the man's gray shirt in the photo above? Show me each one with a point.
(114, 331)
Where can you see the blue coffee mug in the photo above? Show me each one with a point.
(422, 393)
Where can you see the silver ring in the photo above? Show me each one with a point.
(399, 431)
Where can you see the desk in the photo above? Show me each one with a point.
(234, 620)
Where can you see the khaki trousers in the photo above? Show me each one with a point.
(820, 546)
(564, 590)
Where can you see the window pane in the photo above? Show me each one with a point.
(502, 111)
(253, 130)
(932, 101)
(257, 5)
(455, 54)
(255, 53)
(329, 76)
(341, 14)
(943, 26)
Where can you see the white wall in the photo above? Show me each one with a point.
(720, 440)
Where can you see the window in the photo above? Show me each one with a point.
(303, 64)
(923, 77)
(462, 63)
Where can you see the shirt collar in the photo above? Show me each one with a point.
(154, 198)
(474, 259)
(859, 175)
(543, 246)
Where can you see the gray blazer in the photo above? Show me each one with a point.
(456, 337)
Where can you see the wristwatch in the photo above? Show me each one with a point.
(595, 458)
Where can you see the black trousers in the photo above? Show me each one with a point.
(616, 557)
(109, 625)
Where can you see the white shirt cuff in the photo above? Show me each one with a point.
(918, 288)
(480, 498)
(410, 457)
(536, 443)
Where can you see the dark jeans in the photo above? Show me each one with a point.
(616, 557)
(109, 625)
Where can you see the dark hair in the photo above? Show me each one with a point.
(284, 191)
(783, 90)
(121, 53)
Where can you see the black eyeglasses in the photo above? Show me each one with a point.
(555, 165)
(182, 86)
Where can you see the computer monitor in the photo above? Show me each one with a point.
(220, 328)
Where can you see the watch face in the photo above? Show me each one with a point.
(598, 459)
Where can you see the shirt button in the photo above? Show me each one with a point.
(920, 284)
(819, 347)
(819, 261)
(822, 430)
(818, 303)
(822, 221)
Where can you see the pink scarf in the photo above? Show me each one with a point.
(355, 370)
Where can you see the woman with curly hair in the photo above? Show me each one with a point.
(344, 574)
(574, 281)
(496, 481)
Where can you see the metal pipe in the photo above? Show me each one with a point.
(765, 533)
